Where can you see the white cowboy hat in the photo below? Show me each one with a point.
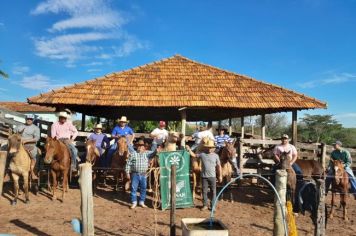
(209, 144)
(63, 114)
(123, 119)
(98, 126)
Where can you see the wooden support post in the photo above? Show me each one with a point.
(230, 127)
(242, 127)
(263, 126)
(97, 119)
(173, 201)
(219, 124)
(183, 114)
(294, 127)
(240, 156)
(3, 155)
(323, 156)
(281, 187)
(83, 122)
(87, 205)
(320, 218)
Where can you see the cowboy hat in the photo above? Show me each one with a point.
(63, 114)
(285, 136)
(123, 119)
(209, 144)
(98, 126)
(30, 117)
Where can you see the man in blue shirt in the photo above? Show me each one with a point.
(122, 129)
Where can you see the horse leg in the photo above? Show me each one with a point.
(26, 187)
(65, 184)
(15, 178)
(332, 205)
(194, 184)
(149, 179)
(343, 197)
(54, 185)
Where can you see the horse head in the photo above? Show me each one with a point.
(173, 137)
(338, 168)
(50, 149)
(122, 145)
(14, 143)
(92, 152)
(229, 151)
(284, 160)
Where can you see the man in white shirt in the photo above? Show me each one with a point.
(205, 132)
(160, 133)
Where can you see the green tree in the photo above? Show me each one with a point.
(319, 128)
(276, 125)
(3, 74)
(143, 126)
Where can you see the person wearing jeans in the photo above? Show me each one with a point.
(136, 168)
(210, 162)
(344, 156)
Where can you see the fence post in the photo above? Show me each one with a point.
(87, 206)
(281, 187)
(3, 155)
(320, 218)
(173, 200)
(240, 145)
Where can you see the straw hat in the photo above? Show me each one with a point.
(98, 126)
(123, 119)
(63, 114)
(209, 144)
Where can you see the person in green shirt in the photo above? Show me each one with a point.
(344, 156)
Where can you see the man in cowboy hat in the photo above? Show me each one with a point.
(205, 132)
(101, 140)
(160, 133)
(30, 134)
(341, 154)
(66, 132)
(221, 138)
(285, 146)
(122, 129)
(136, 168)
(210, 162)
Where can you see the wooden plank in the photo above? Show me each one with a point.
(260, 141)
(242, 127)
(263, 126)
(294, 127)
(3, 156)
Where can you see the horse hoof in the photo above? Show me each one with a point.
(346, 219)
(54, 198)
(13, 202)
(331, 216)
(148, 190)
(27, 201)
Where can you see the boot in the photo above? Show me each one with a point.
(32, 168)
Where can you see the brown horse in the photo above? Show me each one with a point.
(227, 154)
(291, 176)
(340, 184)
(119, 162)
(92, 157)
(58, 156)
(311, 168)
(19, 165)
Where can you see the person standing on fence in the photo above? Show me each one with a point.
(66, 132)
(30, 134)
(136, 170)
(102, 142)
(122, 129)
(160, 133)
(344, 156)
(205, 132)
(210, 162)
(285, 146)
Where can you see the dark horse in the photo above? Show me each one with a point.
(119, 162)
(58, 156)
(291, 176)
(340, 184)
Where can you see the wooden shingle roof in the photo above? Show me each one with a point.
(173, 83)
(25, 107)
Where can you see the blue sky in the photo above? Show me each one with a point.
(304, 45)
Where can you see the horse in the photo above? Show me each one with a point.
(227, 154)
(19, 165)
(58, 156)
(340, 183)
(291, 176)
(92, 157)
(119, 162)
(311, 169)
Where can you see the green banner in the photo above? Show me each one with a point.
(181, 159)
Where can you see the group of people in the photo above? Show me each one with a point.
(138, 162)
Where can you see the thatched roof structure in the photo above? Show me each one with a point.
(157, 90)
(25, 107)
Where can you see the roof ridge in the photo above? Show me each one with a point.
(251, 78)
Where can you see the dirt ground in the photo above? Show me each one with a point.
(250, 214)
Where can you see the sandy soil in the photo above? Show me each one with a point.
(250, 214)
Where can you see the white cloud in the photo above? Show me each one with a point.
(94, 21)
(94, 63)
(3, 90)
(93, 70)
(332, 79)
(39, 82)
(20, 70)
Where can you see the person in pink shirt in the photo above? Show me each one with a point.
(66, 132)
